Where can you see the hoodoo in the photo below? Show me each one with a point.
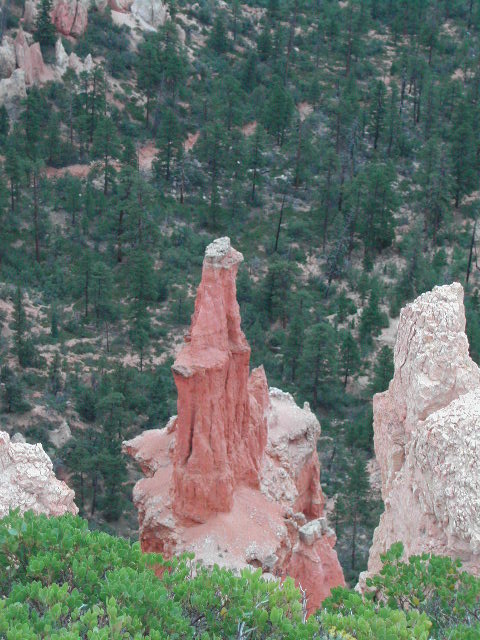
(427, 435)
(235, 476)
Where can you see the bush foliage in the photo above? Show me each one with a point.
(58, 580)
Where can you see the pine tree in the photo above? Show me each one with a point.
(463, 153)
(212, 148)
(378, 111)
(23, 344)
(218, 40)
(45, 32)
(54, 323)
(141, 292)
(256, 159)
(357, 506)
(376, 222)
(372, 319)
(14, 168)
(4, 123)
(294, 343)
(55, 375)
(13, 392)
(106, 147)
(114, 472)
(382, 371)
(149, 72)
(319, 364)
(169, 143)
(278, 110)
(349, 356)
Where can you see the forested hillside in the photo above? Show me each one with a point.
(336, 143)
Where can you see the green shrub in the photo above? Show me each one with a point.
(59, 580)
(434, 585)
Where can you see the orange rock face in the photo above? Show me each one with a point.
(235, 476)
(221, 432)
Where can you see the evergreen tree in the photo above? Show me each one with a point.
(169, 143)
(382, 371)
(349, 356)
(278, 110)
(55, 375)
(106, 147)
(4, 124)
(218, 39)
(378, 111)
(376, 222)
(463, 153)
(149, 72)
(372, 319)
(256, 159)
(319, 364)
(141, 293)
(45, 32)
(24, 348)
(356, 507)
(212, 148)
(13, 392)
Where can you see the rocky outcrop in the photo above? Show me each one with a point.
(123, 6)
(70, 17)
(235, 476)
(64, 61)
(27, 481)
(29, 58)
(12, 92)
(150, 13)
(427, 437)
(7, 57)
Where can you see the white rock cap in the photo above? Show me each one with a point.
(220, 253)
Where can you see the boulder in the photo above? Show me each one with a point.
(27, 481)
(235, 475)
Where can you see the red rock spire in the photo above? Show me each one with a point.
(217, 443)
(235, 477)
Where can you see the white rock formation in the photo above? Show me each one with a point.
(7, 57)
(12, 91)
(61, 435)
(427, 435)
(150, 13)
(27, 481)
(61, 57)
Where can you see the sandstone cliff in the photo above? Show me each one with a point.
(235, 476)
(427, 435)
(27, 481)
